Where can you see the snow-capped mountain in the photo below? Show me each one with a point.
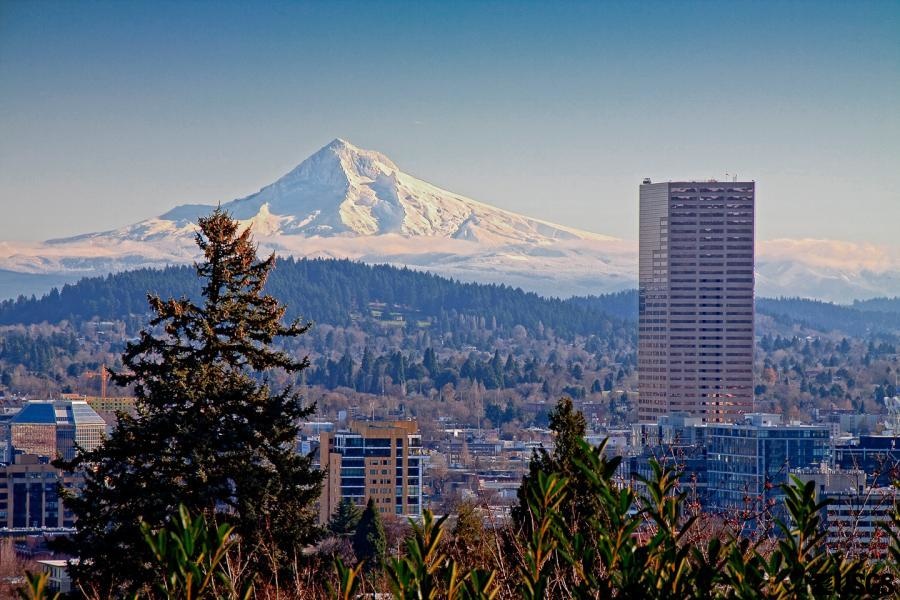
(344, 201)
(345, 190)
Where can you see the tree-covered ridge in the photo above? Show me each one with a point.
(860, 319)
(324, 291)
(338, 292)
(888, 305)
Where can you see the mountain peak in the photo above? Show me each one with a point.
(339, 143)
(341, 163)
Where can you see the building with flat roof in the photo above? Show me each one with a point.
(877, 455)
(29, 494)
(856, 514)
(381, 460)
(695, 332)
(747, 462)
(58, 578)
(53, 428)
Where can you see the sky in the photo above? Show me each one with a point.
(112, 112)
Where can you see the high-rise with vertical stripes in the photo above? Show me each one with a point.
(695, 342)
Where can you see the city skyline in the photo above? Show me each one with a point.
(117, 113)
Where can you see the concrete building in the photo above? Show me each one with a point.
(695, 347)
(855, 519)
(29, 494)
(58, 578)
(746, 462)
(856, 514)
(378, 460)
(53, 428)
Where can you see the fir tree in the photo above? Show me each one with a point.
(209, 433)
(345, 518)
(569, 427)
(369, 541)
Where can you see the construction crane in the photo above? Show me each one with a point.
(103, 374)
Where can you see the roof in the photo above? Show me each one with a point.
(61, 412)
(41, 413)
(81, 413)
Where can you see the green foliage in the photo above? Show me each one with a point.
(348, 581)
(36, 587)
(545, 495)
(369, 540)
(468, 537)
(427, 573)
(569, 456)
(208, 434)
(416, 575)
(645, 546)
(192, 557)
(345, 518)
(639, 542)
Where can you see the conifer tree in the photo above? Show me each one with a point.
(208, 433)
(345, 518)
(569, 427)
(370, 541)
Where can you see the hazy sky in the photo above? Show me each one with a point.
(114, 112)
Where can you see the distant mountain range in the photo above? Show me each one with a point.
(346, 202)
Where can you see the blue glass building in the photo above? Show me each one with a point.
(747, 462)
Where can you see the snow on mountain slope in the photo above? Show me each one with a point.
(344, 201)
(834, 270)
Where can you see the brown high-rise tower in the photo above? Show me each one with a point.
(695, 346)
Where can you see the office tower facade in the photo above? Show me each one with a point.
(747, 462)
(695, 339)
(377, 460)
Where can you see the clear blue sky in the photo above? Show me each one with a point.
(114, 112)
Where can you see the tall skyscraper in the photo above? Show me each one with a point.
(695, 341)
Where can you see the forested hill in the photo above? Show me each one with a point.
(327, 291)
(860, 319)
(887, 305)
(336, 291)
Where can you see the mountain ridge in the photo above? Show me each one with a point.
(347, 202)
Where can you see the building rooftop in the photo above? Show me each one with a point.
(60, 412)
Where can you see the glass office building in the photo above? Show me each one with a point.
(747, 462)
(53, 428)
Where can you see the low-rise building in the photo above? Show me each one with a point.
(856, 514)
(58, 578)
